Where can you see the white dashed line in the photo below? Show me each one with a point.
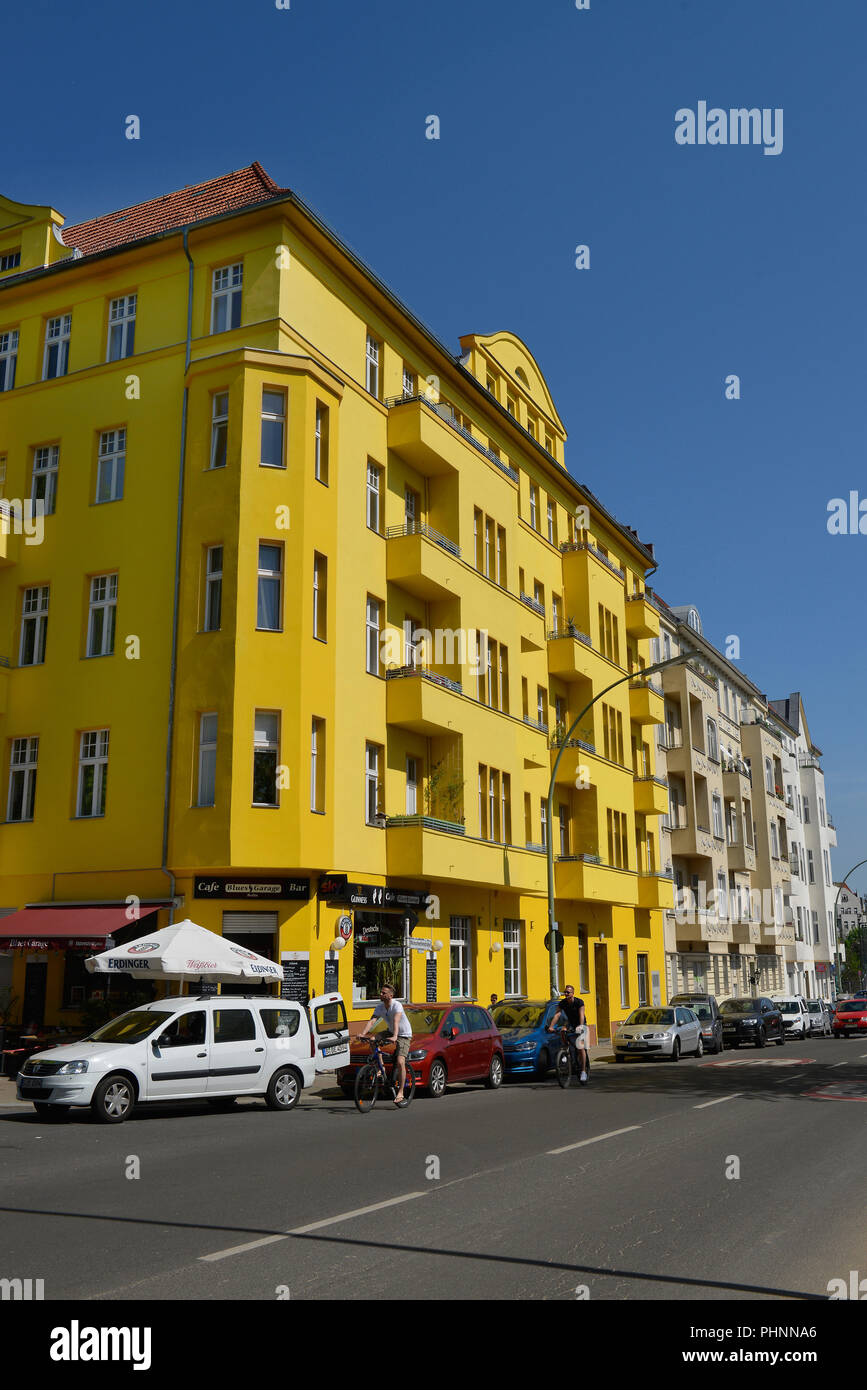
(361, 1211)
(721, 1100)
(241, 1249)
(597, 1138)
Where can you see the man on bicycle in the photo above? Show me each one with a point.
(391, 1009)
(572, 1010)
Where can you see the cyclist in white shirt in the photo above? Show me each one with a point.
(391, 1009)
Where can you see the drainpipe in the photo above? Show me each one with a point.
(170, 734)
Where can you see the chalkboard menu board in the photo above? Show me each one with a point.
(332, 970)
(296, 976)
(431, 981)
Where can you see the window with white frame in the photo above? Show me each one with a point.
(769, 775)
(412, 786)
(92, 772)
(21, 800)
(273, 452)
(372, 374)
(219, 428)
(641, 963)
(102, 615)
(460, 980)
(43, 488)
(811, 871)
(827, 863)
(269, 610)
(320, 597)
(207, 778)
(583, 964)
(320, 444)
(317, 764)
(266, 757)
(822, 820)
(213, 587)
(110, 465)
(408, 382)
(226, 292)
(512, 956)
(10, 260)
(563, 817)
(544, 824)
(775, 840)
(534, 506)
(374, 483)
(552, 522)
(712, 749)
(624, 977)
(372, 783)
(806, 810)
(58, 332)
(34, 625)
(717, 816)
(372, 635)
(8, 358)
(121, 327)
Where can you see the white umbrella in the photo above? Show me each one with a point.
(185, 951)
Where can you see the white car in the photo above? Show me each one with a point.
(665, 1032)
(796, 1015)
(211, 1048)
(820, 1016)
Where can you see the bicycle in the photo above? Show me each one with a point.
(563, 1064)
(372, 1077)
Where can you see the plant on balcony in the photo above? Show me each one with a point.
(444, 792)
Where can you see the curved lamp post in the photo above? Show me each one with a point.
(630, 676)
(836, 905)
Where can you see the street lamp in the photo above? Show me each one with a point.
(843, 880)
(631, 675)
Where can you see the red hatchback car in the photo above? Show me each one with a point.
(450, 1042)
(850, 1016)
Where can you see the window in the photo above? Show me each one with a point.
(532, 425)
(373, 783)
(612, 733)
(372, 631)
(92, 773)
(372, 354)
(624, 977)
(269, 612)
(266, 756)
(121, 327)
(806, 810)
(2, 473)
(717, 816)
(34, 622)
(542, 706)
(811, 871)
(775, 840)
(320, 444)
(410, 508)
(815, 928)
(110, 465)
(459, 958)
(583, 967)
(827, 864)
(501, 557)
(55, 361)
(769, 775)
(213, 587)
(552, 521)
(233, 1026)
(46, 462)
(102, 615)
(609, 635)
(273, 429)
(320, 597)
(641, 963)
(534, 506)
(219, 428)
(317, 764)
(8, 358)
(374, 480)
(207, 759)
(10, 260)
(543, 811)
(618, 851)
(411, 641)
(563, 816)
(411, 786)
(22, 779)
(512, 956)
(712, 750)
(822, 820)
(226, 297)
(408, 382)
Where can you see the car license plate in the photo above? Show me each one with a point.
(329, 1051)
(636, 1044)
(32, 1084)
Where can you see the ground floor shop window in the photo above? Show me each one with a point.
(379, 956)
(459, 958)
(512, 956)
(642, 979)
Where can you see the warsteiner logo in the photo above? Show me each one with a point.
(142, 946)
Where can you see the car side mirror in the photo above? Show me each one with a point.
(454, 1031)
(155, 1047)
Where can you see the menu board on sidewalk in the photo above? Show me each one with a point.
(431, 981)
(296, 976)
(332, 972)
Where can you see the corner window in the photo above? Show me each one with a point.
(269, 611)
(226, 297)
(219, 428)
(273, 429)
(266, 756)
(373, 353)
(8, 358)
(58, 332)
(121, 327)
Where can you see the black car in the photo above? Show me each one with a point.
(752, 1020)
(707, 1009)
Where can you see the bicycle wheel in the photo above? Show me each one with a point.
(366, 1088)
(408, 1085)
(564, 1067)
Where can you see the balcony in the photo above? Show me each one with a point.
(588, 548)
(655, 890)
(533, 604)
(572, 658)
(422, 701)
(694, 842)
(429, 437)
(423, 562)
(642, 619)
(651, 796)
(586, 879)
(741, 857)
(419, 847)
(646, 703)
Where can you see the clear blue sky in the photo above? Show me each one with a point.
(557, 129)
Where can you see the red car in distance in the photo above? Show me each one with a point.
(450, 1042)
(850, 1016)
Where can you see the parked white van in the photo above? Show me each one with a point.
(211, 1048)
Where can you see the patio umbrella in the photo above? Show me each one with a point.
(185, 951)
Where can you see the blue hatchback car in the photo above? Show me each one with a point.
(528, 1049)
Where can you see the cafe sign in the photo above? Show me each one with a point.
(240, 886)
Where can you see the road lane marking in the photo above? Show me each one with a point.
(240, 1249)
(789, 1078)
(612, 1134)
(360, 1211)
(839, 1064)
(721, 1100)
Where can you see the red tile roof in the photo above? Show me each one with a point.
(243, 188)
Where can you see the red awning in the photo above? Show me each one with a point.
(55, 928)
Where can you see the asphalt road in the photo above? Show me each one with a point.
(623, 1190)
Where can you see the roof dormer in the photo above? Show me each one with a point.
(29, 238)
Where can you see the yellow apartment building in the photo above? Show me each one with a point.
(295, 608)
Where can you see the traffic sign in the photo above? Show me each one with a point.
(558, 942)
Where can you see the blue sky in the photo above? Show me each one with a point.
(557, 128)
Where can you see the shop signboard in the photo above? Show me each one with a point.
(296, 976)
(244, 886)
(431, 981)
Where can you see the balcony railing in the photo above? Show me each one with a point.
(809, 760)
(536, 724)
(736, 765)
(534, 604)
(648, 777)
(537, 849)
(420, 528)
(568, 546)
(765, 724)
(558, 742)
(646, 685)
(579, 859)
(570, 630)
(705, 672)
(446, 414)
(671, 741)
(425, 823)
(406, 672)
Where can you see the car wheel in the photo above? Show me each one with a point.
(761, 1038)
(284, 1089)
(699, 1051)
(675, 1051)
(436, 1078)
(781, 1039)
(543, 1063)
(494, 1078)
(46, 1111)
(222, 1102)
(113, 1100)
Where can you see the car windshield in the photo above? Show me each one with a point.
(789, 1006)
(702, 1010)
(814, 1008)
(739, 1006)
(425, 1020)
(851, 1006)
(658, 1016)
(129, 1028)
(519, 1015)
